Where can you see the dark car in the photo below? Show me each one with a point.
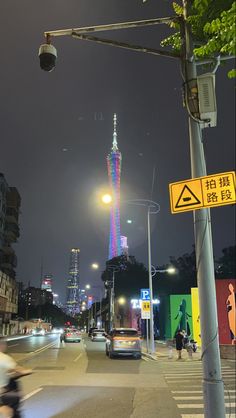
(124, 342)
(91, 331)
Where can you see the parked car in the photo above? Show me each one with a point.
(123, 341)
(71, 335)
(38, 331)
(98, 335)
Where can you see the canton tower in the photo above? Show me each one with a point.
(114, 170)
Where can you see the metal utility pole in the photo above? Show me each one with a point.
(213, 387)
(152, 343)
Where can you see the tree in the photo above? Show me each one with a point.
(182, 281)
(213, 29)
(130, 276)
(227, 263)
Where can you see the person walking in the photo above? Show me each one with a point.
(179, 337)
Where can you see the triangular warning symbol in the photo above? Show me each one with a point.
(187, 198)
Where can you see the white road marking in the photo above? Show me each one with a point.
(13, 345)
(198, 391)
(31, 394)
(187, 398)
(77, 358)
(202, 415)
(200, 405)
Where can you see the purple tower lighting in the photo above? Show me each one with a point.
(114, 170)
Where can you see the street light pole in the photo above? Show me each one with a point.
(213, 387)
(152, 209)
(152, 344)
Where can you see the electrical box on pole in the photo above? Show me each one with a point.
(207, 100)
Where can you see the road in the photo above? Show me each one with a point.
(78, 380)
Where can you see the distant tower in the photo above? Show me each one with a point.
(114, 170)
(124, 246)
(72, 301)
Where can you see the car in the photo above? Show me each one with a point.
(57, 330)
(70, 335)
(124, 342)
(99, 335)
(91, 331)
(38, 331)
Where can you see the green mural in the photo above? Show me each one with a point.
(181, 314)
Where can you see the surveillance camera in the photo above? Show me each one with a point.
(47, 57)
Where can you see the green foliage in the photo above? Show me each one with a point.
(130, 277)
(227, 263)
(213, 28)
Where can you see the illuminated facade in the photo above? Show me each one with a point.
(72, 301)
(47, 282)
(114, 170)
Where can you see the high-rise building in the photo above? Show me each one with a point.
(9, 226)
(114, 170)
(47, 281)
(72, 300)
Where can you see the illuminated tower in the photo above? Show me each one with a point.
(72, 301)
(114, 170)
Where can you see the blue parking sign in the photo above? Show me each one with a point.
(145, 294)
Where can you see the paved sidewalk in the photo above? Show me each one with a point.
(164, 352)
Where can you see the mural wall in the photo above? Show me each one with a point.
(181, 314)
(196, 315)
(225, 295)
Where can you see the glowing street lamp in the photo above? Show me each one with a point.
(107, 198)
(95, 266)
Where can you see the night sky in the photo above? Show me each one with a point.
(56, 131)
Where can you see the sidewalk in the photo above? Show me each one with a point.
(164, 352)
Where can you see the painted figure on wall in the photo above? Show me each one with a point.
(230, 303)
(183, 318)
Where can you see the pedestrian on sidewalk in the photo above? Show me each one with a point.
(179, 337)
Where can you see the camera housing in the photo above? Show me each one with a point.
(47, 57)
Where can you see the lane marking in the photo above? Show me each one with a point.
(31, 394)
(13, 345)
(77, 358)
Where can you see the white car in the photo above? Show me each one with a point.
(38, 331)
(99, 335)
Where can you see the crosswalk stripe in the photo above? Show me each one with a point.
(202, 415)
(197, 391)
(228, 373)
(194, 398)
(201, 405)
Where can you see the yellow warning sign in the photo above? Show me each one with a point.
(203, 192)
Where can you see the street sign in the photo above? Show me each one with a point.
(145, 309)
(203, 192)
(145, 294)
